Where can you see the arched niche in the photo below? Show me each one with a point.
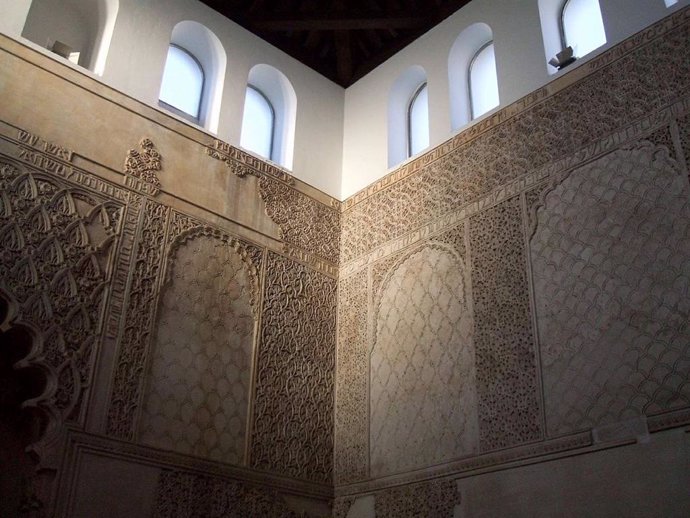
(22, 422)
(85, 28)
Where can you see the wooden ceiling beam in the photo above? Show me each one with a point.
(331, 23)
(343, 51)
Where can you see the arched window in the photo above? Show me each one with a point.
(408, 115)
(577, 24)
(418, 121)
(582, 26)
(76, 30)
(258, 123)
(483, 81)
(472, 75)
(193, 75)
(270, 114)
(183, 83)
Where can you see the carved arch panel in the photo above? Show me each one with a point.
(611, 278)
(57, 248)
(423, 401)
(197, 395)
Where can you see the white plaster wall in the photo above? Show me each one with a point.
(137, 57)
(520, 62)
(341, 136)
(13, 18)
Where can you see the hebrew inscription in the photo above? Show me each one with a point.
(134, 340)
(611, 277)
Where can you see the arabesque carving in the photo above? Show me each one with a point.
(143, 165)
(293, 408)
(189, 495)
(303, 221)
(57, 244)
(352, 370)
(134, 340)
(436, 498)
(684, 131)
(576, 116)
(507, 376)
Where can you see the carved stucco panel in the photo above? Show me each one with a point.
(198, 385)
(351, 380)
(684, 131)
(423, 399)
(189, 495)
(611, 262)
(57, 245)
(435, 498)
(507, 384)
(647, 79)
(303, 221)
(293, 408)
(134, 340)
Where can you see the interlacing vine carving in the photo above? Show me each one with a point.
(134, 342)
(188, 495)
(303, 221)
(293, 409)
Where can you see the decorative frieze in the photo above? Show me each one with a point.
(135, 336)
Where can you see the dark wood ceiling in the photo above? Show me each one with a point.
(341, 39)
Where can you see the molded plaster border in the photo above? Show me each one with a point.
(635, 131)
(79, 444)
(627, 46)
(560, 447)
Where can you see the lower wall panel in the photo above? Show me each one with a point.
(638, 480)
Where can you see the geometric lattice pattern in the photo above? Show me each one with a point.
(431, 499)
(197, 397)
(611, 262)
(423, 398)
(189, 495)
